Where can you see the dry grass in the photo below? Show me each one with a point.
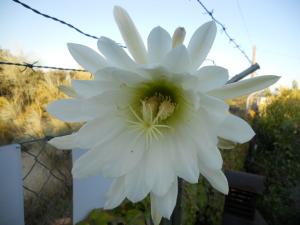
(23, 100)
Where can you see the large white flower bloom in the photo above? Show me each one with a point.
(152, 117)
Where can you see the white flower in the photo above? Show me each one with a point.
(153, 117)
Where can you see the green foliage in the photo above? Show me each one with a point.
(127, 213)
(278, 155)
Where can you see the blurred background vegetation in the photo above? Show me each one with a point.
(274, 152)
(24, 95)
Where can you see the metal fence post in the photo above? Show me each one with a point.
(11, 187)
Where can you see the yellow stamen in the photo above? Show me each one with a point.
(154, 111)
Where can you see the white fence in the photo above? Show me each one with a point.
(15, 181)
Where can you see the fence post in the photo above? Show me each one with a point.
(11, 187)
(88, 193)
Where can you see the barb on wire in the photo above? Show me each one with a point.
(29, 65)
(32, 66)
(224, 29)
(55, 19)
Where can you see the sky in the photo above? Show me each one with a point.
(272, 25)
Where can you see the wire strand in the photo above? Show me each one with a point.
(244, 21)
(224, 29)
(32, 65)
(55, 19)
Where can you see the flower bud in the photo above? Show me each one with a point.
(178, 36)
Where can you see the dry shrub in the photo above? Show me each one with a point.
(24, 96)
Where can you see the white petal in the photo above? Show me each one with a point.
(86, 57)
(79, 110)
(92, 133)
(201, 43)
(211, 77)
(202, 125)
(235, 129)
(159, 170)
(89, 88)
(112, 100)
(116, 193)
(215, 110)
(115, 55)
(155, 72)
(156, 217)
(211, 157)
(244, 87)
(207, 147)
(100, 130)
(112, 158)
(135, 185)
(185, 157)
(165, 205)
(159, 44)
(177, 60)
(206, 141)
(74, 110)
(64, 142)
(216, 178)
(120, 76)
(130, 35)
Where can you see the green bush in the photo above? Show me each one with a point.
(277, 156)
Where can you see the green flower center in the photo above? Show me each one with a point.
(157, 106)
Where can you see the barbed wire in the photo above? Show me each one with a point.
(32, 65)
(236, 78)
(224, 29)
(210, 13)
(55, 19)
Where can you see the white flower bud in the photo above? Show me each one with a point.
(178, 36)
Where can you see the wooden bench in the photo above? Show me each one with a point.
(240, 203)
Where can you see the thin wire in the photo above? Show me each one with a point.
(244, 21)
(55, 19)
(32, 65)
(210, 13)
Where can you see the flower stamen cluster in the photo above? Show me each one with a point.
(154, 111)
